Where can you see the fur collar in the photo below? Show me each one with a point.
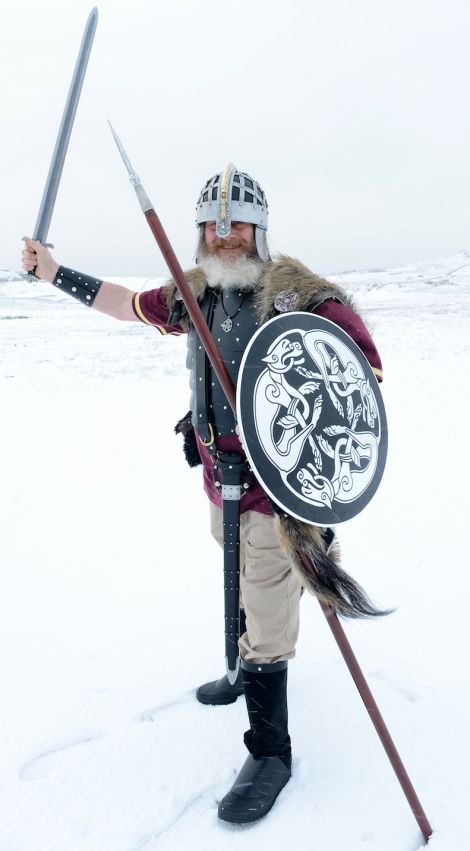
(284, 274)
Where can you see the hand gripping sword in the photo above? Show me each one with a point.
(229, 389)
(49, 195)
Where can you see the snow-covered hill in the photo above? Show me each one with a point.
(451, 272)
(111, 606)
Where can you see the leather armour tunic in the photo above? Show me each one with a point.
(208, 400)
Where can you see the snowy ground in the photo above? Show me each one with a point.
(111, 611)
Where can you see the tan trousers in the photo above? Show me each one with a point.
(269, 590)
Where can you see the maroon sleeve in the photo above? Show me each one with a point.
(150, 307)
(354, 326)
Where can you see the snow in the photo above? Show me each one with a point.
(111, 612)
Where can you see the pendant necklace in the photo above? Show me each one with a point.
(227, 324)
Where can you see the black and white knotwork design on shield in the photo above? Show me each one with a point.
(314, 425)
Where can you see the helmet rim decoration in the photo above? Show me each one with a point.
(233, 196)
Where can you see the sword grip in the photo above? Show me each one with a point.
(32, 274)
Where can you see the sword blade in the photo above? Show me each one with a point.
(58, 157)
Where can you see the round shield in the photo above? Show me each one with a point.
(311, 418)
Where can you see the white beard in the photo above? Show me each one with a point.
(240, 273)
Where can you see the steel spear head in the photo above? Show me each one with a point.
(133, 177)
(144, 200)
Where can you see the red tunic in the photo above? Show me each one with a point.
(150, 307)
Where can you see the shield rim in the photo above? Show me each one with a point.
(242, 433)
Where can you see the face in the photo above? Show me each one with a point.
(240, 241)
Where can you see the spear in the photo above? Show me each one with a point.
(222, 374)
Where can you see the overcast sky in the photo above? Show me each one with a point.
(352, 114)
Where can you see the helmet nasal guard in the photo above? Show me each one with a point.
(233, 196)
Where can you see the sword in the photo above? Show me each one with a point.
(46, 208)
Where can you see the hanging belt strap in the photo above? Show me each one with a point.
(230, 466)
(204, 426)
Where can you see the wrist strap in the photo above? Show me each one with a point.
(82, 287)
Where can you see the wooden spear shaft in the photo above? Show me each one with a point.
(229, 389)
(332, 619)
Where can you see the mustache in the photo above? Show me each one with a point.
(249, 248)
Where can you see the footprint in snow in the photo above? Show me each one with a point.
(149, 714)
(46, 763)
(409, 690)
(150, 842)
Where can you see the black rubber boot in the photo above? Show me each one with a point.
(268, 767)
(220, 692)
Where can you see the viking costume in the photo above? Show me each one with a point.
(269, 572)
(263, 546)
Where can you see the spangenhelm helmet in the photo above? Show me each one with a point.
(233, 196)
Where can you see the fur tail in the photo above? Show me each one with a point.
(327, 581)
(191, 453)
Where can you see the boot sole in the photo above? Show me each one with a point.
(217, 702)
(248, 817)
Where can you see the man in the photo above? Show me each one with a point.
(238, 287)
